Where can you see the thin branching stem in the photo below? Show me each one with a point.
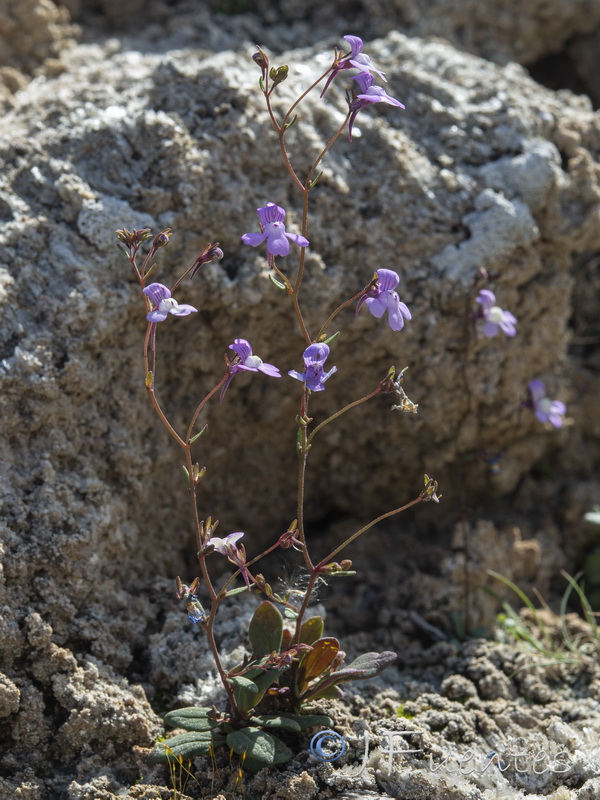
(342, 411)
(334, 314)
(365, 528)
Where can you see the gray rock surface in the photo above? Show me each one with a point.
(485, 168)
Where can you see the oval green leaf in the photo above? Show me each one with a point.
(266, 630)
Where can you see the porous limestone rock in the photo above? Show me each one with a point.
(485, 168)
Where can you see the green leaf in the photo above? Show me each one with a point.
(243, 683)
(262, 679)
(277, 283)
(276, 721)
(311, 630)
(267, 679)
(237, 590)
(317, 660)
(198, 435)
(259, 746)
(246, 693)
(186, 745)
(314, 180)
(193, 718)
(266, 630)
(366, 666)
(308, 720)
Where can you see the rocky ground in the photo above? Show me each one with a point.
(142, 113)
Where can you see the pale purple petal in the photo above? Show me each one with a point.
(277, 244)
(165, 304)
(271, 370)
(182, 310)
(314, 377)
(316, 354)
(254, 239)
(328, 374)
(397, 311)
(490, 329)
(297, 239)
(387, 279)
(486, 298)
(546, 410)
(157, 316)
(507, 324)
(376, 306)
(157, 292)
(270, 213)
(271, 219)
(356, 44)
(242, 348)
(382, 298)
(537, 389)
(226, 545)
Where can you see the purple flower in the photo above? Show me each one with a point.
(546, 410)
(247, 362)
(494, 317)
(382, 298)
(354, 59)
(250, 362)
(368, 94)
(314, 376)
(273, 230)
(236, 554)
(164, 303)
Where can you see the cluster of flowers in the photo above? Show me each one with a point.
(367, 92)
(379, 298)
(495, 320)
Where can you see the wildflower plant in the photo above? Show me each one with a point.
(291, 661)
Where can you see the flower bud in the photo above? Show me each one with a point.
(278, 75)
(212, 252)
(162, 239)
(133, 238)
(261, 59)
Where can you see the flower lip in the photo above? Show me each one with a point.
(316, 354)
(368, 94)
(235, 553)
(273, 231)
(494, 318)
(314, 376)
(246, 361)
(164, 304)
(382, 297)
(546, 410)
(355, 59)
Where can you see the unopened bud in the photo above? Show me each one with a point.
(162, 239)
(212, 252)
(133, 238)
(261, 59)
(278, 75)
